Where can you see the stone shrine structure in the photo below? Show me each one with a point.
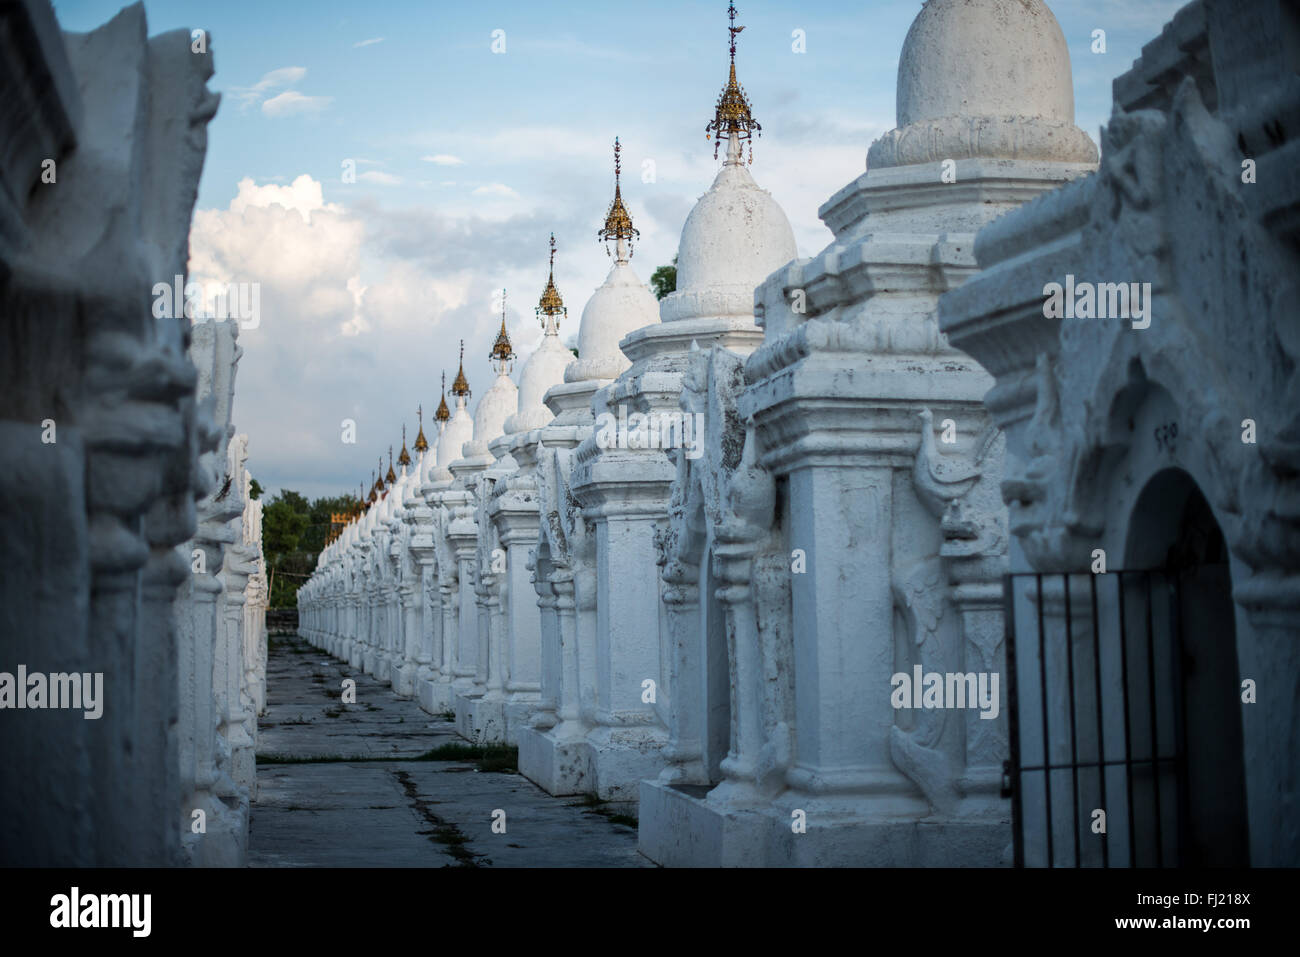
(748, 518)
(1163, 439)
(134, 615)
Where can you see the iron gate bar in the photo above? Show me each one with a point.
(1128, 735)
(1013, 719)
(1015, 772)
(1180, 716)
(1155, 733)
(1042, 694)
(1101, 734)
(1074, 736)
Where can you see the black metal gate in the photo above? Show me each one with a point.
(1098, 772)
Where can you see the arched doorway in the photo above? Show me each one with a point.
(1172, 531)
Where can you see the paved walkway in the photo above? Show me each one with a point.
(352, 786)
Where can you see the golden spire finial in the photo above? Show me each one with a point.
(732, 116)
(421, 443)
(377, 484)
(502, 354)
(460, 386)
(391, 476)
(551, 306)
(404, 459)
(618, 222)
(443, 413)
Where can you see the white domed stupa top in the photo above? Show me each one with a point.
(545, 367)
(620, 305)
(984, 78)
(737, 234)
(457, 428)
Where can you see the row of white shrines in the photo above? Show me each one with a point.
(715, 636)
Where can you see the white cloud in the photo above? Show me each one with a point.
(291, 101)
(361, 307)
(443, 159)
(496, 189)
(370, 42)
(383, 179)
(304, 195)
(246, 96)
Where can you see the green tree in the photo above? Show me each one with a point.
(664, 279)
(282, 525)
(294, 531)
(255, 489)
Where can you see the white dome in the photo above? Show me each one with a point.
(622, 304)
(490, 415)
(544, 368)
(991, 58)
(988, 79)
(735, 237)
(458, 430)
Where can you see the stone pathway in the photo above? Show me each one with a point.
(347, 786)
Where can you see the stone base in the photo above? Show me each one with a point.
(435, 696)
(464, 709)
(485, 718)
(558, 765)
(404, 680)
(621, 758)
(225, 842)
(519, 711)
(679, 827)
(383, 669)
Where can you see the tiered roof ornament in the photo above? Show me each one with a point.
(442, 414)
(460, 385)
(502, 355)
(391, 477)
(551, 306)
(618, 227)
(375, 485)
(421, 443)
(732, 117)
(404, 459)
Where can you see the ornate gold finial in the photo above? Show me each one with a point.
(379, 483)
(376, 485)
(618, 222)
(460, 386)
(421, 443)
(443, 413)
(502, 354)
(732, 116)
(551, 306)
(404, 458)
(391, 476)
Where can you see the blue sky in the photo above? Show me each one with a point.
(467, 160)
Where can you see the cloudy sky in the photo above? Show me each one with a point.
(466, 159)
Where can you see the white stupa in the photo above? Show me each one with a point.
(545, 367)
(496, 405)
(454, 429)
